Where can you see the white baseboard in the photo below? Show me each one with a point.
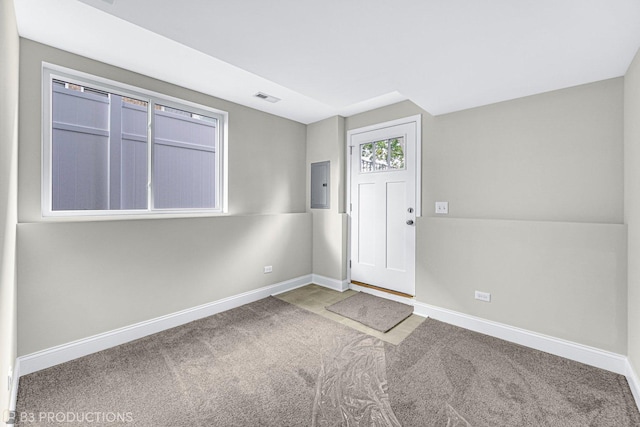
(634, 383)
(13, 395)
(53, 356)
(66, 352)
(580, 353)
(387, 295)
(327, 282)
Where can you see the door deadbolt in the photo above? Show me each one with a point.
(410, 210)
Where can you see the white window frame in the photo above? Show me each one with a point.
(51, 72)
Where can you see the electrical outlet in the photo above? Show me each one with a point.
(483, 296)
(442, 208)
(268, 269)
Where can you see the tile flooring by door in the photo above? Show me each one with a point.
(315, 298)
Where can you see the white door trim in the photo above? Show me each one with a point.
(417, 119)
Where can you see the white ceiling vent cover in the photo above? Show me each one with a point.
(266, 97)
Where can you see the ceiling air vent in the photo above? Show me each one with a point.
(266, 97)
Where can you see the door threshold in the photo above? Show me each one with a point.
(377, 288)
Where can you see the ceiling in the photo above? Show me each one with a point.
(328, 57)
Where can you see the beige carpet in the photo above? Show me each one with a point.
(270, 363)
(454, 377)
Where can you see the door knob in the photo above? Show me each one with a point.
(409, 222)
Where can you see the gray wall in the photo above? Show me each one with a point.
(535, 198)
(325, 141)
(551, 157)
(266, 153)
(632, 203)
(9, 70)
(81, 278)
(561, 279)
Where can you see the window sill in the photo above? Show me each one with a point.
(88, 217)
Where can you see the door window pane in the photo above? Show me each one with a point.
(383, 155)
(396, 160)
(366, 157)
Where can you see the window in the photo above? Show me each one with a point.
(384, 155)
(113, 149)
(109, 148)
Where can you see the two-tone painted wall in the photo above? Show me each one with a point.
(82, 278)
(9, 78)
(632, 204)
(535, 192)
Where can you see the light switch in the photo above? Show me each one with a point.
(442, 208)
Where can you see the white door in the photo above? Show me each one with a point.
(383, 206)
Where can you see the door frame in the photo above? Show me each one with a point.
(417, 119)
